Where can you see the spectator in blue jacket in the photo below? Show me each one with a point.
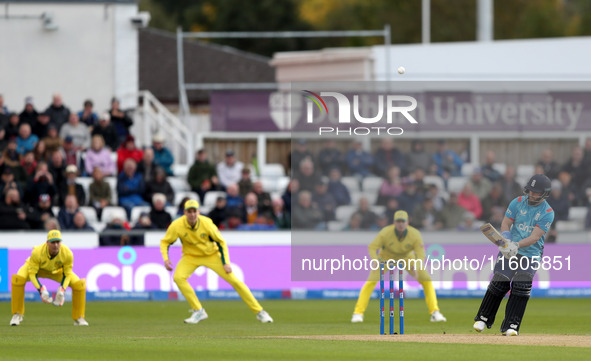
(67, 212)
(388, 156)
(130, 187)
(449, 163)
(162, 156)
(337, 189)
(359, 161)
(26, 141)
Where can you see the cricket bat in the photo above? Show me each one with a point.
(493, 235)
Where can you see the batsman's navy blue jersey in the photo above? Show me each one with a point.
(525, 218)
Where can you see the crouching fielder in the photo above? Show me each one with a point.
(531, 217)
(203, 245)
(52, 260)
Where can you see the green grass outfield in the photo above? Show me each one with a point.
(155, 331)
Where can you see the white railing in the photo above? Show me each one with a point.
(152, 117)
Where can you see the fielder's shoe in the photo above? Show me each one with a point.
(80, 322)
(357, 318)
(264, 317)
(436, 316)
(17, 318)
(511, 332)
(479, 326)
(196, 316)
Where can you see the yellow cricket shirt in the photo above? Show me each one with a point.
(397, 247)
(202, 240)
(40, 260)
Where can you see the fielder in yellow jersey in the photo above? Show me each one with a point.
(52, 260)
(398, 242)
(203, 245)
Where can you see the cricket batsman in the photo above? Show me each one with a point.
(398, 242)
(531, 217)
(203, 245)
(52, 260)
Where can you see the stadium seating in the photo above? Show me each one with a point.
(136, 211)
(179, 184)
(272, 170)
(344, 213)
(89, 213)
(112, 212)
(468, 169)
(210, 197)
(372, 184)
(352, 184)
(455, 184)
(436, 180)
(178, 196)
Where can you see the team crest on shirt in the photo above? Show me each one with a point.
(203, 235)
(408, 246)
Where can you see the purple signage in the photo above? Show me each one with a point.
(293, 268)
(435, 111)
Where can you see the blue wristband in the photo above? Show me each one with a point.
(506, 235)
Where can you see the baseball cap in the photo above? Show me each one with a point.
(400, 216)
(229, 153)
(158, 138)
(54, 236)
(68, 139)
(71, 169)
(29, 100)
(191, 203)
(45, 198)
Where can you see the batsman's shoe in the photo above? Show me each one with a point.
(436, 316)
(264, 317)
(511, 332)
(357, 318)
(197, 316)
(80, 322)
(479, 326)
(17, 318)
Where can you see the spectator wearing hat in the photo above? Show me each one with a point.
(40, 127)
(158, 215)
(99, 156)
(128, 150)
(99, 192)
(359, 161)
(201, 170)
(410, 196)
(481, 186)
(120, 120)
(162, 155)
(449, 163)
(67, 212)
(42, 182)
(13, 126)
(388, 156)
(218, 213)
(300, 153)
(29, 114)
(337, 189)
(26, 141)
(13, 214)
(78, 131)
(70, 187)
(159, 184)
(71, 154)
(52, 140)
(324, 200)
(42, 211)
(58, 113)
(87, 115)
(107, 130)
(130, 187)
(7, 182)
(330, 157)
(229, 170)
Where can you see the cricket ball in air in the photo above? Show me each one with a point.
(401, 70)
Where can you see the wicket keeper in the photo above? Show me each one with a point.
(203, 245)
(531, 217)
(395, 242)
(52, 260)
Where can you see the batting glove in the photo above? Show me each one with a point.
(45, 296)
(510, 250)
(59, 297)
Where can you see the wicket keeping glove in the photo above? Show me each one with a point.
(60, 296)
(45, 296)
(510, 250)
